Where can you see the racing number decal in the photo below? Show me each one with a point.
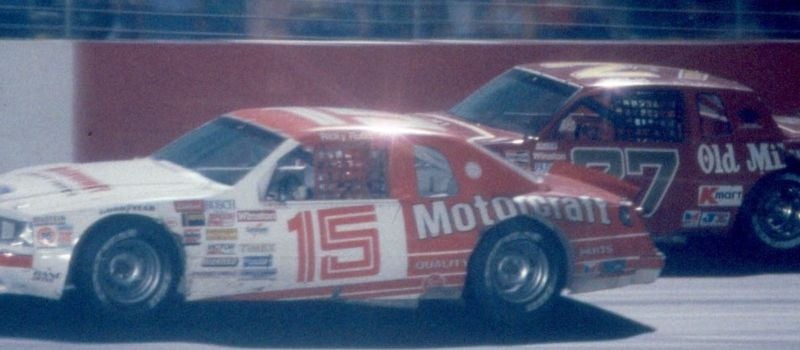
(342, 232)
(632, 162)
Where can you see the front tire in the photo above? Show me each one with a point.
(127, 273)
(773, 215)
(515, 277)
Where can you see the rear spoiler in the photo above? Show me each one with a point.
(596, 178)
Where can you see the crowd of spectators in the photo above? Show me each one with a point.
(400, 19)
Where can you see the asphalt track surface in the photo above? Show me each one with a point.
(704, 300)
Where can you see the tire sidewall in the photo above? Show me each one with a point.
(756, 239)
(91, 291)
(482, 295)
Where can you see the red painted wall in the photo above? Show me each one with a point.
(133, 98)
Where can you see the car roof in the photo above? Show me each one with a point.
(320, 122)
(604, 75)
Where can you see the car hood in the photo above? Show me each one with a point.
(60, 187)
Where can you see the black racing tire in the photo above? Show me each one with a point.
(771, 216)
(127, 273)
(515, 276)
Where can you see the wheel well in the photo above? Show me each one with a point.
(540, 226)
(170, 241)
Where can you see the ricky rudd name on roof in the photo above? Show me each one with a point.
(436, 219)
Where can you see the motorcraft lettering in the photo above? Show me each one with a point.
(722, 159)
(435, 219)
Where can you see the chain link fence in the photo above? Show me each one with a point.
(400, 19)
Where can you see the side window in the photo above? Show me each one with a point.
(645, 116)
(713, 119)
(585, 124)
(330, 173)
(293, 179)
(351, 171)
(434, 175)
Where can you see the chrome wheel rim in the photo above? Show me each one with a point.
(129, 271)
(778, 216)
(519, 270)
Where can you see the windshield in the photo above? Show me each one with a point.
(224, 150)
(517, 100)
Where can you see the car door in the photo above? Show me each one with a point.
(638, 135)
(326, 226)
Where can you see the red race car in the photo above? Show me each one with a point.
(706, 152)
(301, 203)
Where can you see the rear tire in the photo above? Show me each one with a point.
(515, 277)
(772, 216)
(127, 273)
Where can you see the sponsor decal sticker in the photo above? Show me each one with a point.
(45, 276)
(221, 249)
(691, 218)
(257, 230)
(193, 219)
(51, 220)
(256, 248)
(547, 146)
(715, 219)
(605, 249)
(256, 216)
(46, 236)
(129, 208)
(518, 157)
(541, 168)
(192, 236)
(190, 206)
(220, 205)
(549, 156)
(64, 236)
(221, 234)
(221, 219)
(720, 196)
(220, 262)
(258, 261)
(213, 274)
(258, 274)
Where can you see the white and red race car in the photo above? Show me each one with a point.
(300, 203)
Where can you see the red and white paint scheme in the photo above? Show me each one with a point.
(708, 155)
(299, 203)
